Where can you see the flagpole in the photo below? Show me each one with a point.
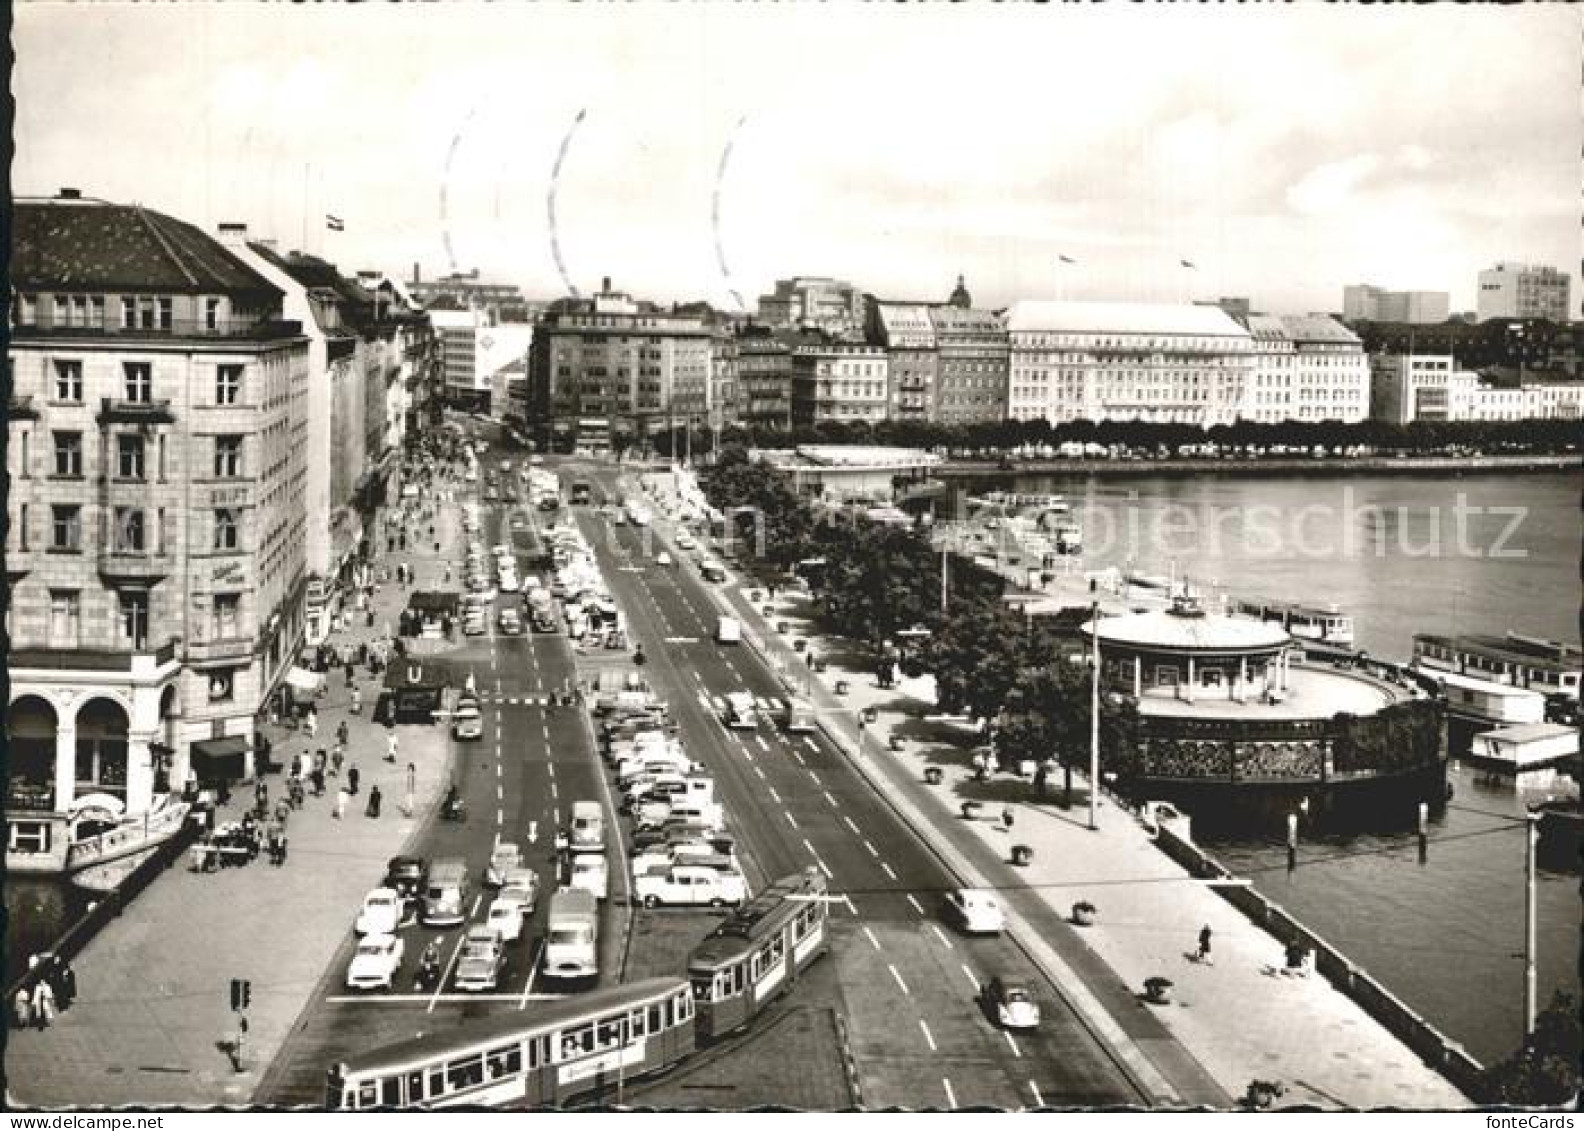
(305, 208)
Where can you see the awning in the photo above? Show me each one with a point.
(303, 680)
(214, 758)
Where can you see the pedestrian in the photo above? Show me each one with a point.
(311, 723)
(1006, 818)
(43, 1003)
(341, 802)
(1204, 946)
(283, 845)
(261, 796)
(22, 1010)
(390, 753)
(336, 759)
(374, 801)
(350, 678)
(343, 732)
(318, 780)
(66, 983)
(320, 759)
(352, 780)
(357, 701)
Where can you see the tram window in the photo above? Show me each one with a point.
(390, 1091)
(684, 1004)
(465, 1073)
(609, 1034)
(505, 1061)
(368, 1094)
(635, 1023)
(437, 1082)
(656, 1019)
(777, 949)
(575, 1042)
(756, 966)
(415, 1087)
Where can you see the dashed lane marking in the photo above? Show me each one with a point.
(916, 905)
(872, 939)
(500, 816)
(763, 745)
(831, 799)
(500, 792)
(550, 768)
(929, 1037)
(812, 745)
(533, 971)
(886, 868)
(1039, 1100)
(790, 819)
(972, 979)
(946, 942)
(850, 824)
(898, 977)
(872, 850)
(1017, 1052)
(951, 1096)
(758, 771)
(774, 796)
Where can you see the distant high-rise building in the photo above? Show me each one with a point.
(1366, 303)
(816, 303)
(1523, 290)
(503, 301)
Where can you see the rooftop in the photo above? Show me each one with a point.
(1313, 692)
(76, 244)
(1122, 318)
(846, 456)
(1181, 629)
(1529, 732)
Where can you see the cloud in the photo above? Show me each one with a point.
(1329, 187)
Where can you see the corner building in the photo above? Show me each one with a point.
(155, 545)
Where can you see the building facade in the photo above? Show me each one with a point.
(1366, 303)
(837, 382)
(907, 334)
(611, 358)
(970, 387)
(1331, 375)
(1408, 388)
(1126, 361)
(815, 303)
(1523, 290)
(157, 536)
(504, 302)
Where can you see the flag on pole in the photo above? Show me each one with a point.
(334, 223)
(1188, 265)
(1064, 259)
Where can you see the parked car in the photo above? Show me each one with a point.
(521, 883)
(375, 962)
(479, 966)
(505, 857)
(505, 915)
(1014, 1005)
(380, 914)
(975, 912)
(689, 885)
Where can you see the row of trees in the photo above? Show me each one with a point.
(997, 438)
(882, 586)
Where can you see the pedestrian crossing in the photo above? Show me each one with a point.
(717, 703)
(502, 699)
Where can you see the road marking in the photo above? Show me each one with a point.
(1039, 1100)
(832, 800)
(915, 903)
(763, 745)
(553, 792)
(929, 1038)
(812, 745)
(408, 999)
(758, 771)
(872, 850)
(500, 792)
(951, 1097)
(533, 971)
(500, 816)
(850, 824)
(946, 942)
(774, 796)
(972, 979)
(498, 770)
(798, 758)
(886, 868)
(898, 977)
(1017, 1052)
(681, 640)
(550, 767)
(851, 910)
(456, 953)
(872, 939)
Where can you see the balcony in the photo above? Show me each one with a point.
(116, 411)
(233, 329)
(92, 659)
(22, 408)
(135, 565)
(201, 651)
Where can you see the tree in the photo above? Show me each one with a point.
(1545, 1072)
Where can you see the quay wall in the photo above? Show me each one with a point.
(1438, 1050)
(1332, 465)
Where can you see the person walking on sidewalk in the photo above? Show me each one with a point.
(390, 752)
(1203, 955)
(352, 780)
(374, 801)
(1006, 818)
(22, 1010)
(43, 1003)
(336, 758)
(343, 732)
(357, 700)
(341, 802)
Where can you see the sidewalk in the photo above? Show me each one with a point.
(1236, 1020)
(153, 988)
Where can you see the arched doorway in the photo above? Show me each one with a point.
(102, 748)
(166, 747)
(31, 724)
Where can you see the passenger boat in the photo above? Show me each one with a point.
(1012, 500)
(1545, 666)
(1325, 623)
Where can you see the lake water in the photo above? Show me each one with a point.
(1402, 554)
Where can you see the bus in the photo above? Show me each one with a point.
(760, 951)
(594, 1041)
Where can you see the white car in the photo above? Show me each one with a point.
(1014, 1005)
(505, 915)
(689, 885)
(663, 559)
(505, 857)
(976, 912)
(479, 966)
(381, 913)
(522, 884)
(685, 542)
(589, 871)
(509, 583)
(531, 581)
(375, 962)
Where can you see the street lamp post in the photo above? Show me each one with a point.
(1094, 714)
(1531, 835)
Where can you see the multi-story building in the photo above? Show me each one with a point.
(1307, 368)
(156, 545)
(1271, 393)
(1366, 303)
(971, 386)
(839, 382)
(503, 301)
(1408, 388)
(764, 374)
(814, 303)
(1126, 361)
(608, 358)
(907, 334)
(725, 387)
(1523, 290)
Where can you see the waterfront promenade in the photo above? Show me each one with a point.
(1270, 465)
(152, 1011)
(1233, 1021)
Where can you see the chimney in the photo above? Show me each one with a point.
(605, 285)
(417, 276)
(70, 194)
(233, 234)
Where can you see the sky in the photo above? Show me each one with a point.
(705, 151)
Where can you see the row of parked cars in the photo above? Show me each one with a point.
(682, 854)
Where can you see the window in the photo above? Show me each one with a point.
(139, 381)
(65, 618)
(130, 530)
(227, 616)
(228, 384)
(134, 617)
(129, 457)
(128, 312)
(211, 314)
(164, 313)
(228, 457)
(227, 535)
(96, 311)
(27, 310)
(68, 454)
(68, 381)
(22, 527)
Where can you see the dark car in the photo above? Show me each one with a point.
(407, 875)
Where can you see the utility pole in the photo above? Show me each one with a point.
(1094, 714)
(945, 561)
(1531, 837)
